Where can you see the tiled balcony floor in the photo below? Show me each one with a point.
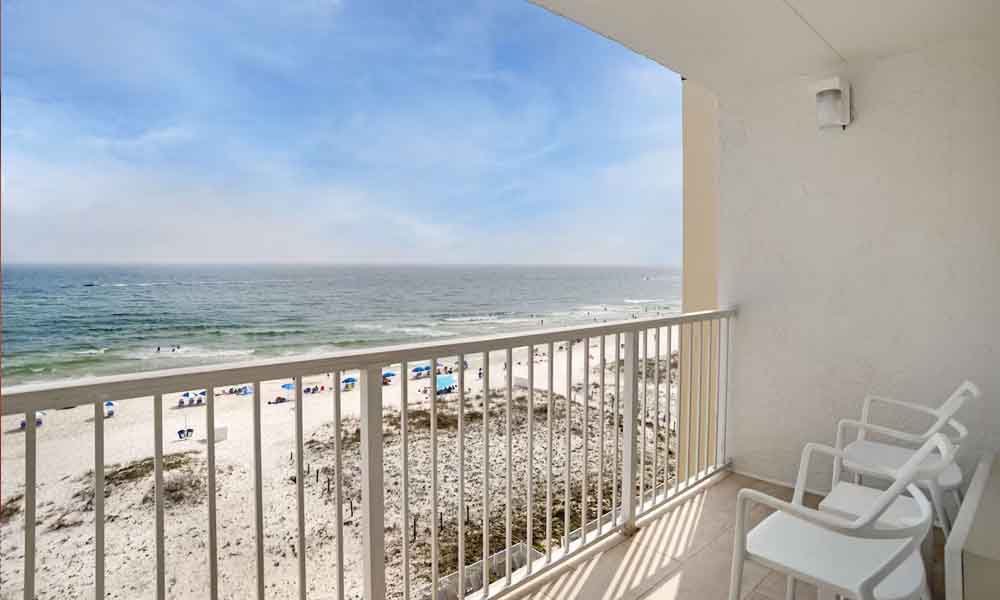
(683, 552)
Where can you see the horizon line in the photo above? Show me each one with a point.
(7, 263)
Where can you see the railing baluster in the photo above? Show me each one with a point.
(509, 357)
(710, 458)
(529, 537)
(630, 418)
(460, 584)
(213, 539)
(157, 494)
(656, 409)
(698, 397)
(689, 408)
(584, 488)
(615, 407)
(373, 487)
(338, 466)
(31, 490)
(548, 477)
(405, 470)
(300, 492)
(642, 431)
(569, 448)
(486, 473)
(434, 481)
(725, 392)
(99, 487)
(258, 488)
(600, 441)
(679, 456)
(702, 393)
(669, 408)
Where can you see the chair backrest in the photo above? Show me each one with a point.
(904, 478)
(869, 526)
(950, 407)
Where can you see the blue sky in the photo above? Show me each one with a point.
(326, 130)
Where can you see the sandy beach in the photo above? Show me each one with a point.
(65, 490)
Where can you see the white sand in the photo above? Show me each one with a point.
(65, 455)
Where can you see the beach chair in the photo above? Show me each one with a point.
(868, 557)
(896, 450)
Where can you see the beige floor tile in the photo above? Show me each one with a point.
(692, 525)
(773, 588)
(705, 576)
(623, 571)
(681, 554)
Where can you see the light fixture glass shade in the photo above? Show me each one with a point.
(829, 108)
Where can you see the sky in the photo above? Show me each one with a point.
(332, 131)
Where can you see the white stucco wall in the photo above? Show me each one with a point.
(866, 259)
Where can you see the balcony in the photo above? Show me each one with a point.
(211, 482)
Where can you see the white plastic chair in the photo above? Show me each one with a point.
(865, 557)
(893, 455)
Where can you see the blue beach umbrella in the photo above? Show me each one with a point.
(349, 380)
(444, 382)
(109, 403)
(186, 395)
(288, 386)
(421, 369)
(389, 374)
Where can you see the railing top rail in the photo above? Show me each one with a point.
(21, 398)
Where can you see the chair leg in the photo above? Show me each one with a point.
(957, 493)
(736, 576)
(937, 499)
(927, 549)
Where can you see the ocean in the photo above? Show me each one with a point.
(67, 322)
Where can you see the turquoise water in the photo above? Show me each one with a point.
(64, 322)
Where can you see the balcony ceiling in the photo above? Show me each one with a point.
(727, 43)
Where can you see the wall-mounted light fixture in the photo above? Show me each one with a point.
(833, 102)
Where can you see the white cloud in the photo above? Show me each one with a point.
(397, 138)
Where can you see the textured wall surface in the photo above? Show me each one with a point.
(865, 260)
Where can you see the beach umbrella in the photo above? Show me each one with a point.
(421, 369)
(389, 374)
(288, 386)
(445, 381)
(202, 393)
(109, 403)
(349, 380)
(186, 395)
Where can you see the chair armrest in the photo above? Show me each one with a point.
(904, 436)
(748, 496)
(871, 399)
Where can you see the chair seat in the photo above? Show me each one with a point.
(850, 500)
(893, 457)
(823, 557)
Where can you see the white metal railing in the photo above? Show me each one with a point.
(655, 401)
